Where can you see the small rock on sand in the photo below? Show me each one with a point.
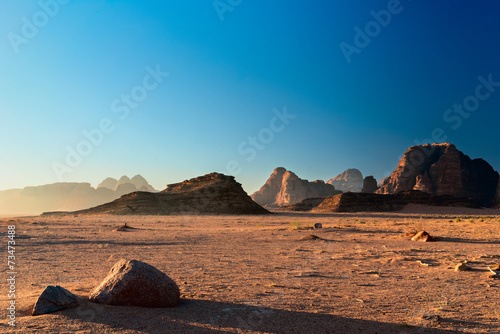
(311, 237)
(422, 236)
(495, 267)
(55, 298)
(462, 267)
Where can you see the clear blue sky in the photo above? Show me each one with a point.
(83, 58)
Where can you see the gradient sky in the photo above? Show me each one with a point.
(227, 76)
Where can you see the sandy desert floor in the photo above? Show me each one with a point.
(261, 274)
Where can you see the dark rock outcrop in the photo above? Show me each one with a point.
(305, 205)
(209, 194)
(441, 169)
(369, 185)
(135, 283)
(55, 298)
(349, 180)
(358, 202)
(497, 201)
(284, 188)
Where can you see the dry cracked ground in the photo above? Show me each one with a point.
(266, 274)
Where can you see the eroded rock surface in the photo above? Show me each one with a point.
(441, 169)
(136, 283)
(284, 188)
(55, 298)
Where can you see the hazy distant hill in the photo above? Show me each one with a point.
(67, 196)
(349, 180)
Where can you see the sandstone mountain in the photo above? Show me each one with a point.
(441, 169)
(284, 188)
(358, 202)
(65, 196)
(349, 180)
(209, 194)
(369, 185)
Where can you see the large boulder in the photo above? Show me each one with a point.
(285, 187)
(135, 283)
(369, 185)
(55, 298)
(349, 180)
(441, 169)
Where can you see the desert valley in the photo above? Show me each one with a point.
(417, 252)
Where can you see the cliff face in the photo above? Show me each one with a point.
(284, 188)
(209, 194)
(349, 180)
(441, 169)
(358, 202)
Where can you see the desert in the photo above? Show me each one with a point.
(231, 166)
(262, 274)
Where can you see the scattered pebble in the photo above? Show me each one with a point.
(422, 236)
(311, 237)
(462, 267)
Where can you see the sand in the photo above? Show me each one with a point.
(258, 274)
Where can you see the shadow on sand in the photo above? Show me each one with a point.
(203, 316)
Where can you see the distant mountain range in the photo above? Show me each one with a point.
(67, 196)
(437, 170)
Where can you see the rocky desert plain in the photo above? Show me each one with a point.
(294, 257)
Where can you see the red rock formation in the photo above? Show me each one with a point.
(284, 188)
(349, 180)
(441, 169)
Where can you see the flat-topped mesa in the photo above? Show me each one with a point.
(208, 194)
(285, 187)
(441, 169)
(365, 202)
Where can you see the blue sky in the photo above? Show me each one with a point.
(227, 80)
